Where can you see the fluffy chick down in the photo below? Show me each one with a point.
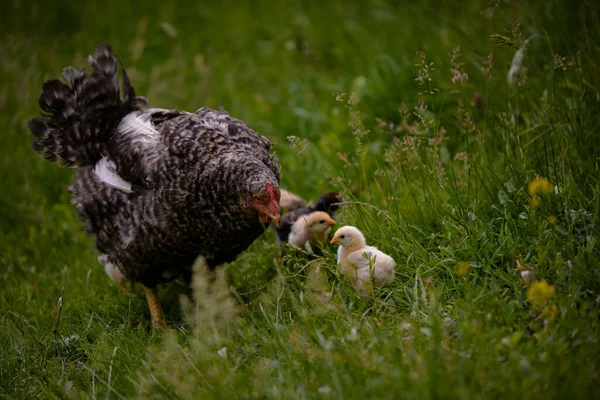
(289, 200)
(312, 228)
(365, 266)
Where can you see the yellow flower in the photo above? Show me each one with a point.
(552, 220)
(540, 186)
(462, 268)
(539, 293)
(550, 312)
(535, 201)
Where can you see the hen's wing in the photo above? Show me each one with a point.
(138, 147)
(154, 145)
(241, 135)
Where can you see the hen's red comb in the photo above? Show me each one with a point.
(270, 189)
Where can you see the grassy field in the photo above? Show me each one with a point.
(466, 136)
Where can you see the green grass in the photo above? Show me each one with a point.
(437, 175)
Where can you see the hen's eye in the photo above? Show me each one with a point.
(343, 236)
(322, 221)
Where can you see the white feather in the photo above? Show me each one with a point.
(106, 171)
(139, 124)
(113, 272)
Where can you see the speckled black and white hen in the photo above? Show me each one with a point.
(157, 187)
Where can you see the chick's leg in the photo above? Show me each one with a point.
(157, 320)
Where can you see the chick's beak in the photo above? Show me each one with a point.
(335, 240)
(330, 221)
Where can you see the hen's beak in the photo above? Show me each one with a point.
(277, 220)
(269, 212)
(266, 216)
(335, 239)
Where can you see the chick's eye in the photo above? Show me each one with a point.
(343, 236)
(322, 221)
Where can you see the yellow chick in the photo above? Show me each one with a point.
(365, 266)
(312, 228)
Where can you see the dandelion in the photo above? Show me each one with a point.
(535, 201)
(462, 268)
(551, 220)
(539, 293)
(549, 312)
(540, 186)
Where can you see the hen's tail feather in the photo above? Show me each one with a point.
(80, 114)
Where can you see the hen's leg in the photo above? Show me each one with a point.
(157, 320)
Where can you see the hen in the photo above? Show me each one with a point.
(157, 187)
